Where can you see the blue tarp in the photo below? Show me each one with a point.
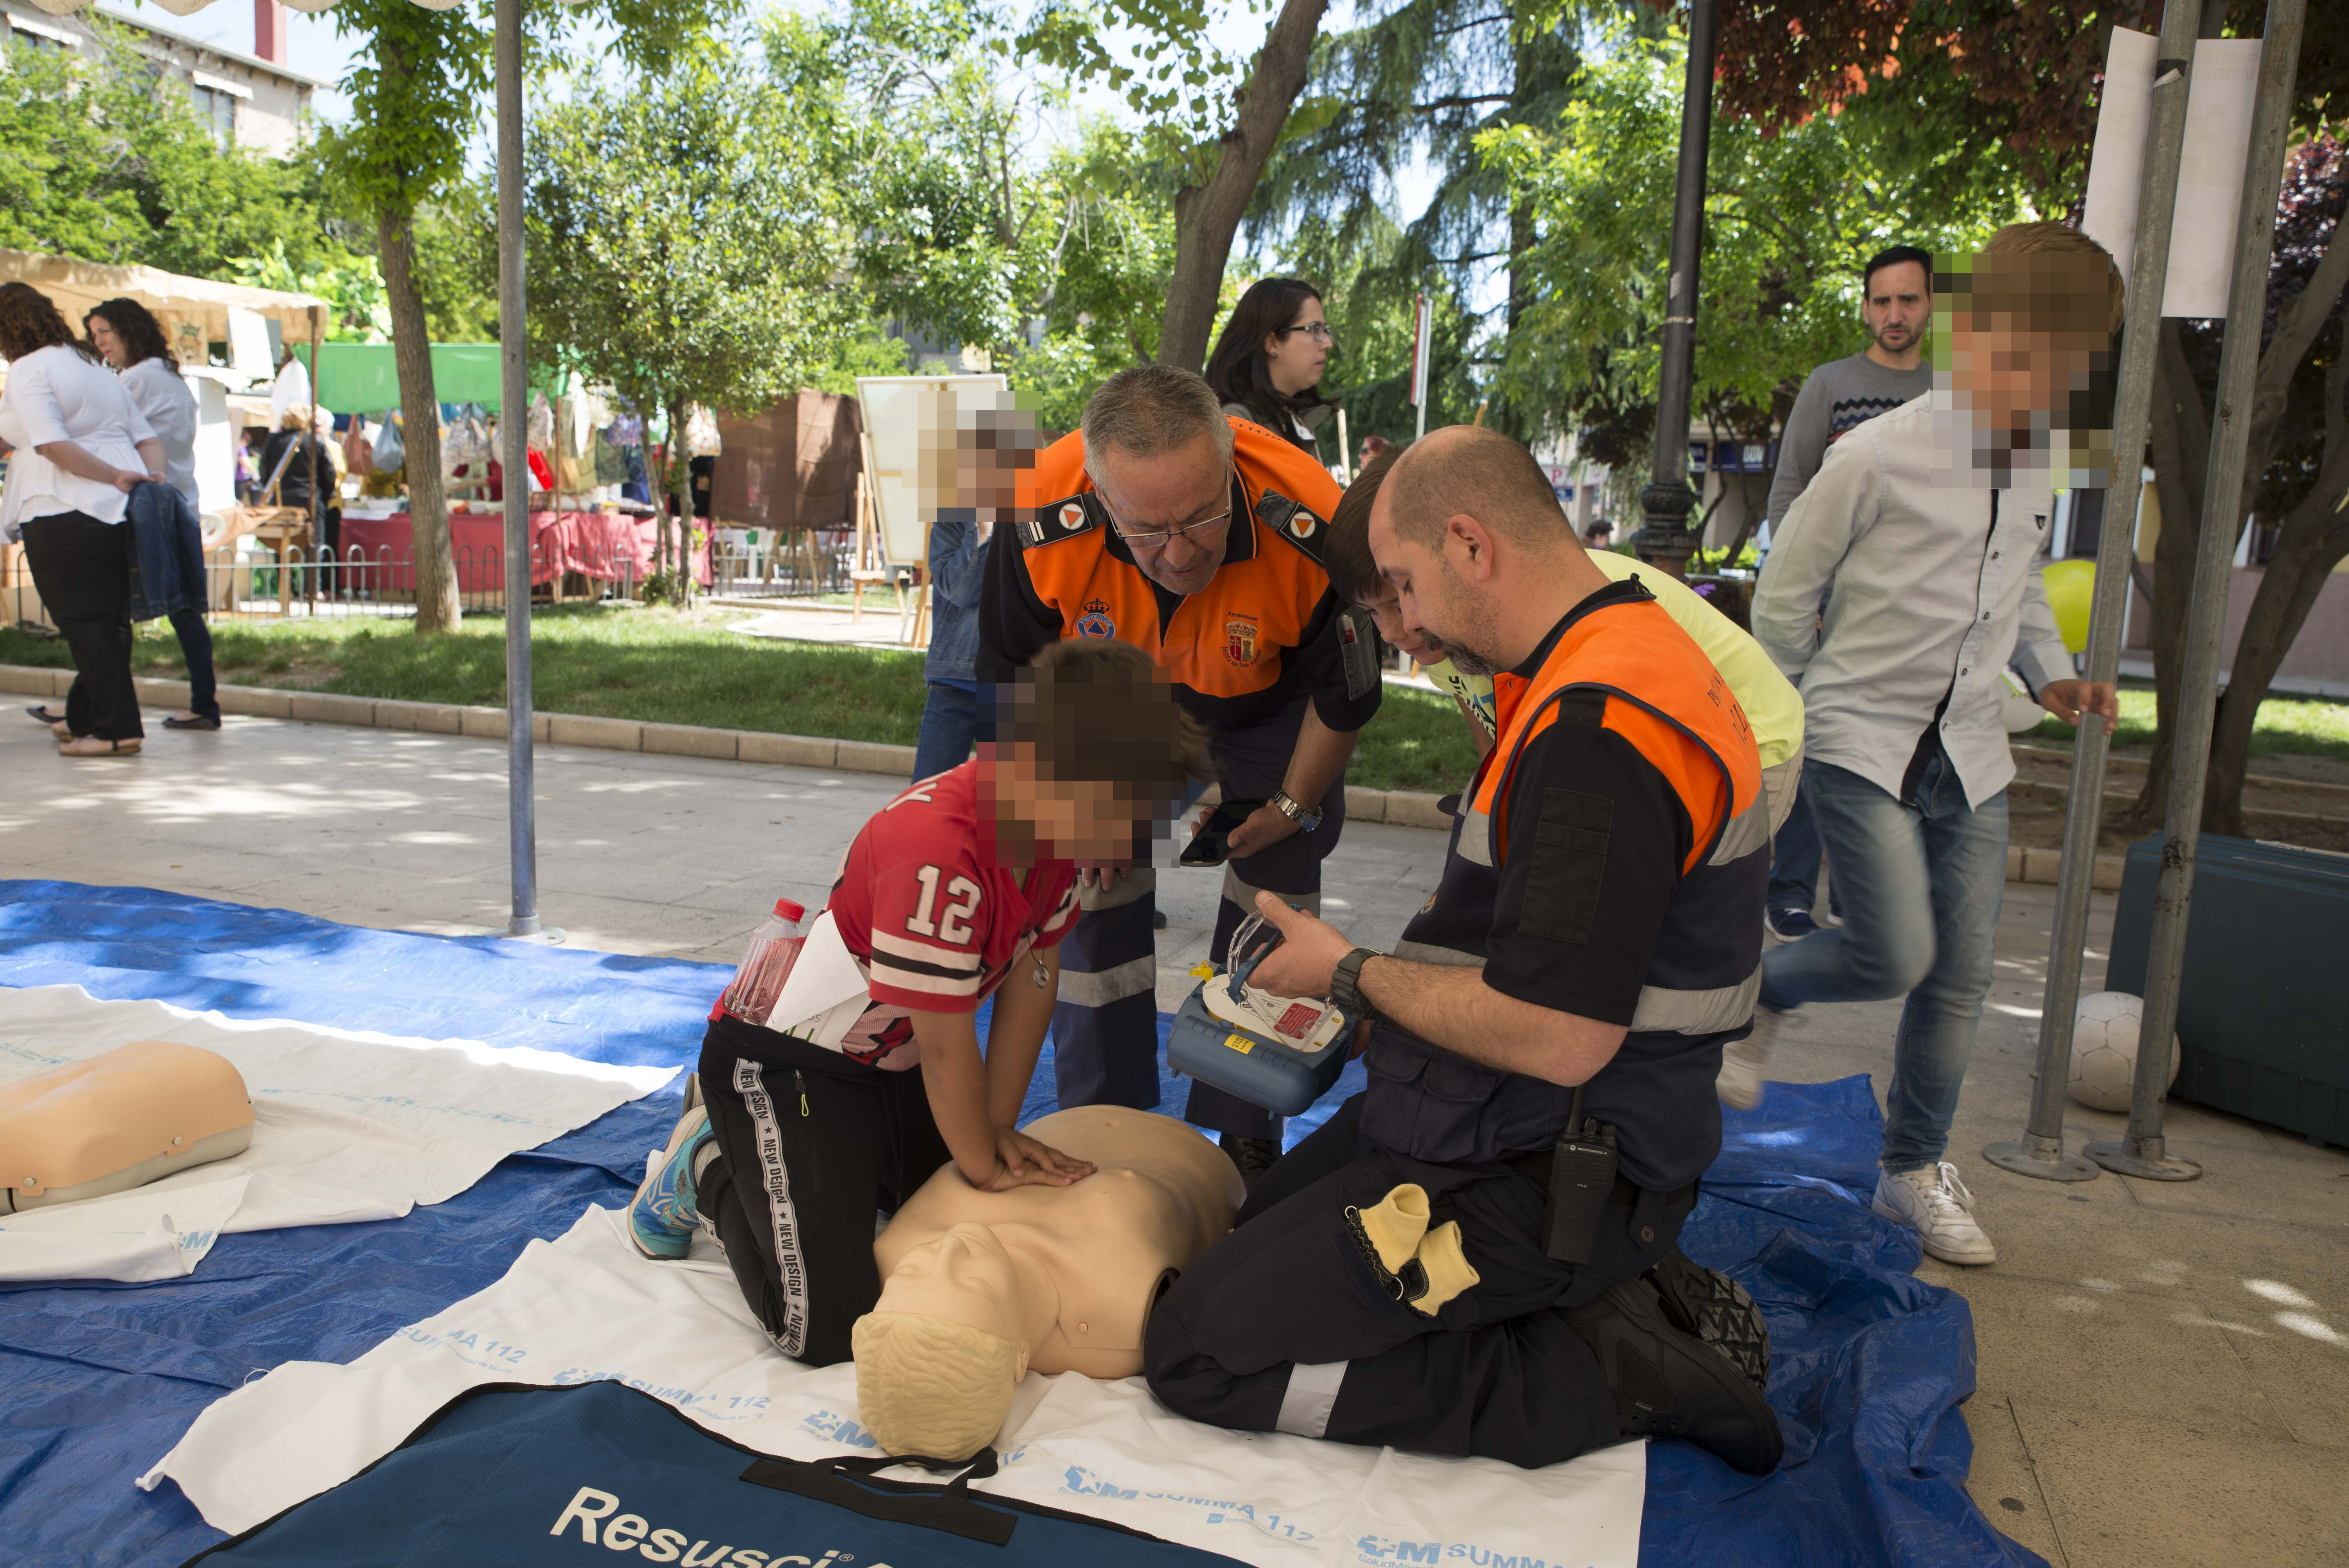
(97, 1380)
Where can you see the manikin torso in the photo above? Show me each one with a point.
(1091, 1257)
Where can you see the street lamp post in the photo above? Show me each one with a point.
(1667, 500)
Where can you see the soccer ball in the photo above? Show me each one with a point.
(2104, 1049)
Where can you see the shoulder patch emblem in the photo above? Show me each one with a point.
(1057, 520)
(1302, 523)
(1095, 621)
(1072, 516)
(1239, 640)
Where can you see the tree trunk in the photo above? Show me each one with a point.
(678, 462)
(2312, 540)
(1208, 216)
(2180, 444)
(420, 405)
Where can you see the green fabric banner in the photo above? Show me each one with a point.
(363, 377)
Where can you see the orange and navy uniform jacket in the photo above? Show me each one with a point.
(1611, 861)
(1265, 628)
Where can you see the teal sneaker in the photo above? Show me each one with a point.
(661, 1216)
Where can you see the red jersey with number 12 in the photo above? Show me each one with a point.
(935, 924)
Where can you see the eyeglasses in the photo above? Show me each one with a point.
(1161, 537)
(1318, 331)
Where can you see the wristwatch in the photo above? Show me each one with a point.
(1285, 804)
(1346, 984)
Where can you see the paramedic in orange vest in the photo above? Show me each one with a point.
(1479, 1255)
(1197, 537)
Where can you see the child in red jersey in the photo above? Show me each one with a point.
(958, 890)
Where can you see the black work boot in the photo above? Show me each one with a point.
(1671, 1383)
(1254, 1156)
(1715, 1308)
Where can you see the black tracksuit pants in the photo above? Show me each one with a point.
(82, 568)
(1284, 1326)
(811, 1144)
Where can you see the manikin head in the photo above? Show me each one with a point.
(938, 1357)
(1467, 532)
(1088, 755)
(1159, 451)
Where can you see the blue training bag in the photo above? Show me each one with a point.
(515, 1476)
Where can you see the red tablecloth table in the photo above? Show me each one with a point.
(594, 544)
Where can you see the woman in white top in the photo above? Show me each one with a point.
(130, 339)
(1268, 362)
(76, 445)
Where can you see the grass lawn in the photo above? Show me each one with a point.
(676, 668)
(2308, 726)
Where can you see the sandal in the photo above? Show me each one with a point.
(41, 714)
(97, 746)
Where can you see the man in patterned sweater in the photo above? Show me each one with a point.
(1897, 302)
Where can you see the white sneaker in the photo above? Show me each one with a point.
(1933, 1203)
(1742, 1066)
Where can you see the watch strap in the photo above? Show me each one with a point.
(1289, 806)
(1346, 983)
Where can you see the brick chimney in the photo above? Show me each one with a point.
(269, 31)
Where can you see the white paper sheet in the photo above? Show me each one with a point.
(825, 992)
(586, 1306)
(348, 1126)
(2209, 179)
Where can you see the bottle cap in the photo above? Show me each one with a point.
(789, 910)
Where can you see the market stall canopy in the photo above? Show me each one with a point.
(194, 311)
(365, 376)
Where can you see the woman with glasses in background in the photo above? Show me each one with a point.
(1268, 365)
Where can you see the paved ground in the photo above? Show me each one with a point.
(2162, 1369)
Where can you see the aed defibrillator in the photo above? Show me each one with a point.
(1279, 1052)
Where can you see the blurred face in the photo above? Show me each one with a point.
(1038, 816)
(1900, 305)
(989, 456)
(1432, 601)
(1173, 510)
(108, 342)
(1295, 359)
(1386, 610)
(2013, 378)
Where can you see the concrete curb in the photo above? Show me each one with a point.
(1401, 808)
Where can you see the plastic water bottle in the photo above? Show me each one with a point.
(758, 979)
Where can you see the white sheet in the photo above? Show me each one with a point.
(586, 1306)
(349, 1126)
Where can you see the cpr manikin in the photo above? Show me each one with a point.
(980, 1288)
(120, 1119)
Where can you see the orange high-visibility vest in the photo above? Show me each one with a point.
(1225, 641)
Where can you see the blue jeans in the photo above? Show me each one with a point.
(949, 728)
(196, 648)
(1922, 880)
(1795, 863)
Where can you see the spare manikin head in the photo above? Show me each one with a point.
(942, 1350)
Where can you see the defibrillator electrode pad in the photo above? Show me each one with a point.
(120, 1119)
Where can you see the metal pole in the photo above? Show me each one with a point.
(513, 427)
(317, 502)
(2143, 1150)
(2040, 1151)
(1667, 500)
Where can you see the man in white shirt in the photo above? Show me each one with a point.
(1929, 522)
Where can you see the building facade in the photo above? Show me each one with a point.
(249, 102)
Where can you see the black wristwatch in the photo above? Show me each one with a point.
(1346, 984)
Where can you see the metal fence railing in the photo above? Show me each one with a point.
(772, 564)
(326, 584)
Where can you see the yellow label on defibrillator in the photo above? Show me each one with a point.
(1239, 1043)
